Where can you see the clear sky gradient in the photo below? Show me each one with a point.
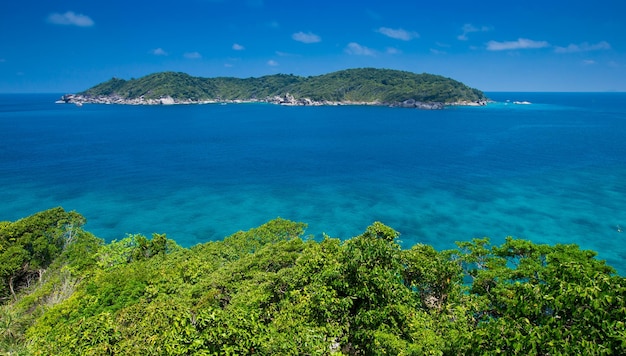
(66, 46)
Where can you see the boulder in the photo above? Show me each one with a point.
(429, 105)
(168, 100)
(410, 103)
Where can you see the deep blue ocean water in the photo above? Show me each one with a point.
(552, 172)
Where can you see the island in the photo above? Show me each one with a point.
(360, 86)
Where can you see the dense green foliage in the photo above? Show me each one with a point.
(28, 246)
(270, 291)
(365, 84)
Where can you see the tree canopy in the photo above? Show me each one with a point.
(356, 85)
(270, 290)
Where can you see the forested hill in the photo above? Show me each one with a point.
(364, 85)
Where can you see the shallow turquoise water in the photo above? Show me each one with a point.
(553, 171)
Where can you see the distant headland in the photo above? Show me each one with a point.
(362, 86)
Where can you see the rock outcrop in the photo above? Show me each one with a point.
(286, 100)
(412, 103)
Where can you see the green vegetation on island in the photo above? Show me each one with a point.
(272, 291)
(363, 85)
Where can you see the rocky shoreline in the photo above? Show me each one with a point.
(286, 100)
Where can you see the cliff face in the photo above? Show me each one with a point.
(352, 86)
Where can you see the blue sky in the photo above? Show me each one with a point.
(66, 46)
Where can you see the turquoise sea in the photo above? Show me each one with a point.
(552, 172)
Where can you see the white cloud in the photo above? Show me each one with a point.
(589, 62)
(272, 63)
(238, 47)
(306, 37)
(70, 18)
(398, 34)
(159, 52)
(436, 51)
(358, 50)
(469, 28)
(228, 65)
(583, 47)
(192, 55)
(521, 43)
(286, 54)
(393, 50)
